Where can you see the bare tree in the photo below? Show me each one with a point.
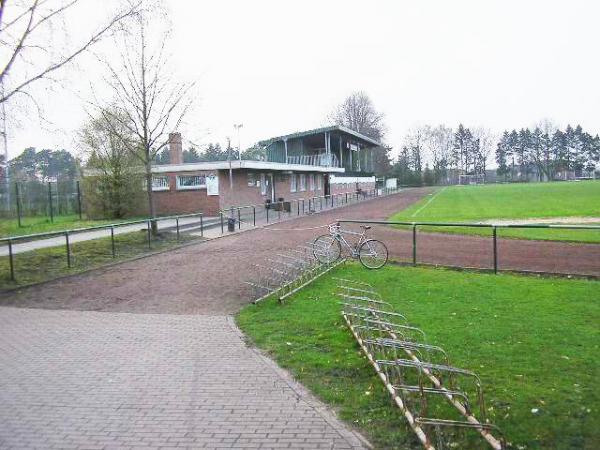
(26, 56)
(358, 113)
(147, 101)
(487, 144)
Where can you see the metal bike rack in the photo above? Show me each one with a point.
(417, 374)
(285, 272)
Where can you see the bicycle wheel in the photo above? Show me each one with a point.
(326, 249)
(373, 254)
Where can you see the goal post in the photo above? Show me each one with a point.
(478, 178)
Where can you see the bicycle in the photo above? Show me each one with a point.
(371, 253)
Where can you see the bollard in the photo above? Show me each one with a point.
(177, 226)
(239, 219)
(222, 226)
(254, 215)
(201, 225)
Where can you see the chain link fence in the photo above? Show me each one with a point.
(35, 199)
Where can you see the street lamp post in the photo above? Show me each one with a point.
(237, 127)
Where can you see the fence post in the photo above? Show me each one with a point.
(10, 260)
(68, 249)
(201, 225)
(79, 200)
(298, 205)
(221, 214)
(414, 233)
(346, 198)
(50, 201)
(18, 199)
(495, 237)
(279, 211)
(254, 215)
(267, 214)
(239, 219)
(112, 242)
(177, 226)
(149, 236)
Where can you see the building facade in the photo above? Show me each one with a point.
(325, 161)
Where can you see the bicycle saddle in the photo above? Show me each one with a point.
(366, 227)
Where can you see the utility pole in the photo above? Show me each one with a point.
(237, 127)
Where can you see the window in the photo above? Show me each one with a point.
(312, 182)
(160, 183)
(293, 183)
(191, 182)
(263, 185)
(252, 180)
(302, 182)
(319, 182)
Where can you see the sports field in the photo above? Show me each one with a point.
(557, 202)
(533, 341)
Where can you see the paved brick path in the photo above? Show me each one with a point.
(91, 380)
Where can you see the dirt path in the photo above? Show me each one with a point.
(208, 278)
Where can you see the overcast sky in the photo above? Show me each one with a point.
(282, 66)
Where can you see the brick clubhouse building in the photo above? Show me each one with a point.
(312, 163)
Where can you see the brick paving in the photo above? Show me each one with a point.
(97, 380)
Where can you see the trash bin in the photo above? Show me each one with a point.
(231, 224)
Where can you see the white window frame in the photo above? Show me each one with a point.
(160, 183)
(263, 184)
(191, 187)
(319, 182)
(252, 179)
(302, 182)
(312, 181)
(293, 183)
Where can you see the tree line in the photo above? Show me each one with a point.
(437, 154)
(547, 153)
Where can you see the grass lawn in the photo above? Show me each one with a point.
(535, 342)
(511, 201)
(31, 225)
(49, 263)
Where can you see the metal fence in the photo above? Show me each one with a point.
(240, 217)
(37, 199)
(494, 247)
(170, 226)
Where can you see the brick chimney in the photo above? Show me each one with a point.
(175, 148)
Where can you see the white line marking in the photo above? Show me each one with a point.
(428, 202)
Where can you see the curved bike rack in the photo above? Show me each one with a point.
(416, 374)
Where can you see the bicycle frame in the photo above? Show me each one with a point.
(338, 235)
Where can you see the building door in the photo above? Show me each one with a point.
(327, 186)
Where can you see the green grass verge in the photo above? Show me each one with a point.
(31, 225)
(50, 263)
(534, 341)
(510, 201)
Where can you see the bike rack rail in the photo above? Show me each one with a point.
(414, 372)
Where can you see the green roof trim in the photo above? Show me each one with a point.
(316, 131)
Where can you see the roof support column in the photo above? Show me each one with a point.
(341, 157)
(286, 150)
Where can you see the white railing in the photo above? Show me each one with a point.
(322, 160)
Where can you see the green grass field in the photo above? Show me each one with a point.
(511, 201)
(49, 263)
(31, 225)
(534, 341)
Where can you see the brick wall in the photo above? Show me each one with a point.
(176, 201)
